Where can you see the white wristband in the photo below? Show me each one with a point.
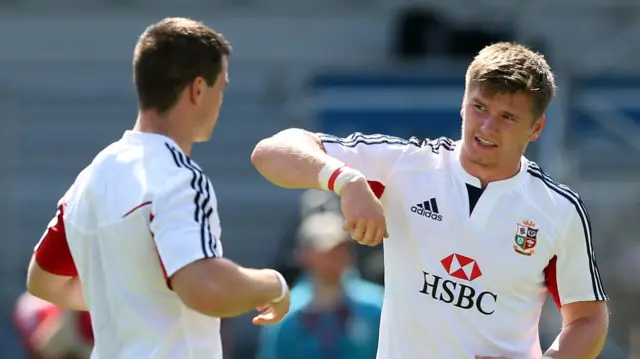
(327, 171)
(284, 287)
(334, 176)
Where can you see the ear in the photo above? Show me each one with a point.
(537, 128)
(196, 90)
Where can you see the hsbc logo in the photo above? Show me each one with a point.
(456, 292)
(461, 267)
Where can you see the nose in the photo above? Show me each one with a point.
(490, 124)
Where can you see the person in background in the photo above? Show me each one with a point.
(334, 313)
(48, 332)
(312, 201)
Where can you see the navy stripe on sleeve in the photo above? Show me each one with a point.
(202, 197)
(571, 196)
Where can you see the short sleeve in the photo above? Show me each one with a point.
(373, 155)
(572, 275)
(182, 218)
(52, 252)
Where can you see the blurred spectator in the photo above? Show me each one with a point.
(48, 332)
(312, 201)
(334, 314)
(315, 200)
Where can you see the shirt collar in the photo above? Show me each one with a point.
(133, 136)
(463, 175)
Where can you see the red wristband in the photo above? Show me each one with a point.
(333, 177)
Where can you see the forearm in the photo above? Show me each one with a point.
(582, 339)
(291, 159)
(236, 290)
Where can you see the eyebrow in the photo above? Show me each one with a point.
(479, 101)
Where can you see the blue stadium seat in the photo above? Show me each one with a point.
(619, 92)
(402, 104)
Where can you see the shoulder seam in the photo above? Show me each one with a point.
(357, 138)
(564, 191)
(438, 143)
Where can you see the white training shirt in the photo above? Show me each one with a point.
(461, 283)
(137, 214)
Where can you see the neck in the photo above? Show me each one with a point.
(488, 174)
(326, 295)
(151, 122)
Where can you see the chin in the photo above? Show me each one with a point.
(478, 159)
(481, 162)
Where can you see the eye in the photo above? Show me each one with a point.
(479, 107)
(509, 118)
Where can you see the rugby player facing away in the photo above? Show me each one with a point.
(136, 239)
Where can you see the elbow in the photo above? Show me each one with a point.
(209, 300)
(261, 154)
(268, 154)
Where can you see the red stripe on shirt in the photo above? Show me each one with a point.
(53, 253)
(551, 280)
(164, 269)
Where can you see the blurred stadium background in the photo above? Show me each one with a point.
(333, 65)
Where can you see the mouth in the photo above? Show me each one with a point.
(484, 142)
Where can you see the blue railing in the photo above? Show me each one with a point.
(401, 104)
(428, 105)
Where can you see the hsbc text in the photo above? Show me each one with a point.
(458, 294)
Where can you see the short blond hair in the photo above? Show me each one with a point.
(512, 68)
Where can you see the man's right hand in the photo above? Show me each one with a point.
(272, 313)
(363, 214)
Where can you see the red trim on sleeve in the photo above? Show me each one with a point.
(164, 269)
(377, 188)
(136, 208)
(333, 177)
(551, 280)
(53, 253)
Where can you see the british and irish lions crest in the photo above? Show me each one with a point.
(526, 238)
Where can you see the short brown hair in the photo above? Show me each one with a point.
(511, 68)
(172, 53)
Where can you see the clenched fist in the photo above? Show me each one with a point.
(363, 214)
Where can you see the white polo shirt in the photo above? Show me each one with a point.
(464, 279)
(137, 214)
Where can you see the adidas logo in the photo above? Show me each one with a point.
(427, 209)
